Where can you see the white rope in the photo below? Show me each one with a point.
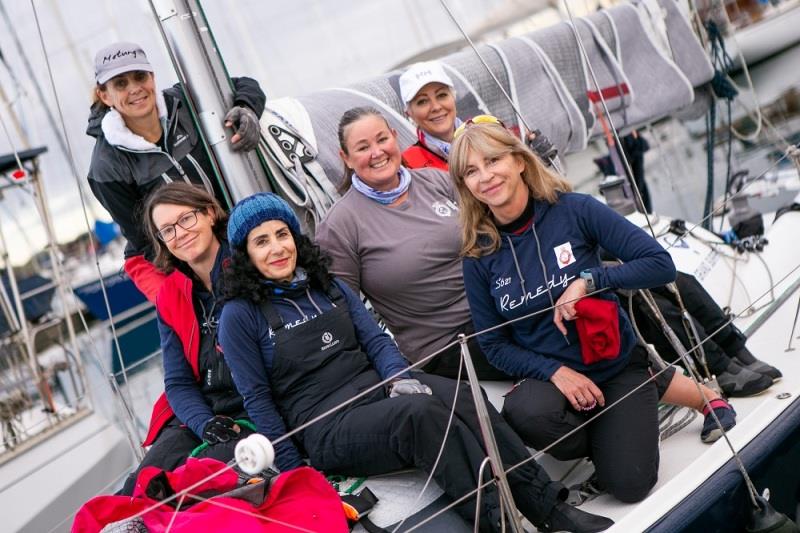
(533, 457)
(441, 448)
(759, 116)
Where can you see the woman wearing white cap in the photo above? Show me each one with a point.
(429, 96)
(146, 138)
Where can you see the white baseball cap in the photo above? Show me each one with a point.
(419, 75)
(119, 58)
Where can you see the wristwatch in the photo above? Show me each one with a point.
(589, 279)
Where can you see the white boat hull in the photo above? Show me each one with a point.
(41, 489)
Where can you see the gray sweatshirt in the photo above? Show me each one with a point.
(405, 259)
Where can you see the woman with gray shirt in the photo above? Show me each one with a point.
(394, 236)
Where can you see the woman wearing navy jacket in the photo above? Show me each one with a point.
(300, 342)
(200, 404)
(531, 247)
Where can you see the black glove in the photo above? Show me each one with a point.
(220, 429)
(542, 146)
(247, 129)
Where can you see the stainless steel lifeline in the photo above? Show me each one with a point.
(496, 462)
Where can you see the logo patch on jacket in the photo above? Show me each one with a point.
(328, 341)
(564, 255)
(444, 209)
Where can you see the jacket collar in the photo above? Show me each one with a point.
(540, 209)
(118, 134)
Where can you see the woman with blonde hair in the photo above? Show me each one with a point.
(531, 249)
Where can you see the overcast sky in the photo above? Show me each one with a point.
(291, 47)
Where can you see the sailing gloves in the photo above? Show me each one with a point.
(247, 129)
(541, 146)
(408, 386)
(220, 429)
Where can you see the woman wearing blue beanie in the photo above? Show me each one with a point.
(299, 342)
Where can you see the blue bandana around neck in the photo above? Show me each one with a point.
(435, 144)
(298, 284)
(384, 197)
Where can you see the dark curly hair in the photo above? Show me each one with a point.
(243, 280)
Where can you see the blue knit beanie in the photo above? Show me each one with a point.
(254, 211)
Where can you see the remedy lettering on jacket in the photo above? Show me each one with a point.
(507, 302)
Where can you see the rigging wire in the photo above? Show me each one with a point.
(441, 450)
(427, 358)
(73, 168)
(554, 160)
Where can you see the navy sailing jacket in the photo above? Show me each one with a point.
(510, 283)
(247, 341)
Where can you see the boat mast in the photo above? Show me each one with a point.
(202, 72)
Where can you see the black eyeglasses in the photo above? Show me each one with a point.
(186, 221)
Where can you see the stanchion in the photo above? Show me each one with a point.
(488, 439)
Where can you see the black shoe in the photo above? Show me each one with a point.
(748, 360)
(565, 517)
(739, 381)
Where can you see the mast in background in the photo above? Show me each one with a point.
(202, 72)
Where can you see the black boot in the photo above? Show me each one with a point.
(748, 360)
(565, 517)
(741, 382)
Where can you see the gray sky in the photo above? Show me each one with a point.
(291, 47)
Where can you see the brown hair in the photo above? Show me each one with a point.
(478, 231)
(97, 103)
(180, 193)
(349, 117)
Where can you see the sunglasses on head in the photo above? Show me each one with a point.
(478, 119)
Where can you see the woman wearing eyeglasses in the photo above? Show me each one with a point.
(531, 250)
(200, 406)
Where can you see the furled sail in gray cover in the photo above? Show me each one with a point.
(658, 84)
(646, 59)
(541, 96)
(559, 44)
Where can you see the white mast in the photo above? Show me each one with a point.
(201, 71)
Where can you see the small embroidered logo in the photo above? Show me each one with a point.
(564, 255)
(442, 209)
(327, 337)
